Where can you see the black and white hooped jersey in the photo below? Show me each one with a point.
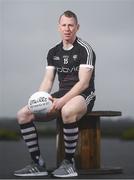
(67, 63)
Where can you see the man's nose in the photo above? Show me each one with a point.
(67, 28)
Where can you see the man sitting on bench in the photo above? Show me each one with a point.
(74, 61)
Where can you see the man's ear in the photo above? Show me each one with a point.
(58, 27)
(78, 27)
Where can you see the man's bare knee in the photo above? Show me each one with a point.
(24, 116)
(68, 116)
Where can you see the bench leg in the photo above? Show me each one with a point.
(88, 149)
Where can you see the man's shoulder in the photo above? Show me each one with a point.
(83, 43)
(56, 47)
(85, 47)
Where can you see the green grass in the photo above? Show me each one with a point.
(128, 134)
(16, 135)
(8, 135)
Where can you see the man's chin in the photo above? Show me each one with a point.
(67, 39)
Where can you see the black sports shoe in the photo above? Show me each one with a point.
(32, 170)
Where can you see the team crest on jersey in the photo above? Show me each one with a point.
(56, 58)
(65, 57)
(75, 57)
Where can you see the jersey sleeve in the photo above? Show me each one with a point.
(87, 57)
(50, 58)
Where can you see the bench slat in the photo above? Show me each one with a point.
(104, 113)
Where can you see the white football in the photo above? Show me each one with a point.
(39, 102)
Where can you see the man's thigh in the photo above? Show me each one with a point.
(76, 106)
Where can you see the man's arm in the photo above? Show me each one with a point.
(85, 74)
(47, 82)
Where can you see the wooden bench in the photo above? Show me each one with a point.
(87, 155)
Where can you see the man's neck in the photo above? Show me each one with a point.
(67, 45)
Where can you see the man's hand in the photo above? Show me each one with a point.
(58, 103)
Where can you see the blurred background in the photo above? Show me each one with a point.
(28, 29)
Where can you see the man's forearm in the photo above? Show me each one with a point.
(46, 86)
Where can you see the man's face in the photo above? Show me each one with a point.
(68, 28)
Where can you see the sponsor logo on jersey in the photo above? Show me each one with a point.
(75, 57)
(56, 58)
(67, 70)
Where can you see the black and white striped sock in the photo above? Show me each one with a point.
(70, 139)
(30, 137)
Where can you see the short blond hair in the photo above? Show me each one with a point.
(69, 14)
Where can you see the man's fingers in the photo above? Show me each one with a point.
(51, 98)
